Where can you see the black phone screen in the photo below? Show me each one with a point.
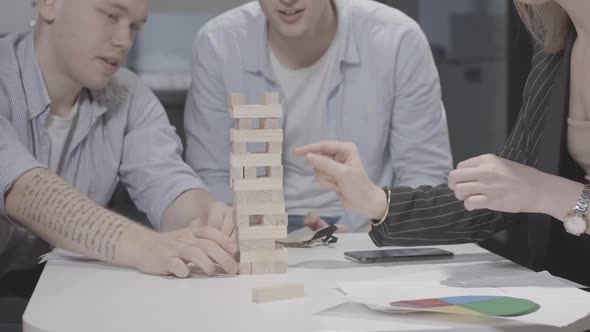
(388, 255)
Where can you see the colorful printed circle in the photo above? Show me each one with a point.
(500, 306)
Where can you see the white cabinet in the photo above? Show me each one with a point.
(17, 15)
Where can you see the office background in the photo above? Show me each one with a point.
(481, 50)
(480, 58)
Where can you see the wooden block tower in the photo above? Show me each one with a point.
(257, 184)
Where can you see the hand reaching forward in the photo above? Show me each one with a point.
(338, 167)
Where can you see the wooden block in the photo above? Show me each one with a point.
(263, 268)
(263, 244)
(256, 135)
(281, 267)
(270, 124)
(250, 173)
(251, 209)
(255, 160)
(275, 172)
(239, 148)
(243, 124)
(235, 99)
(278, 196)
(277, 254)
(275, 220)
(256, 111)
(259, 184)
(277, 293)
(270, 98)
(242, 221)
(262, 232)
(236, 173)
(274, 147)
(245, 268)
(256, 221)
(266, 196)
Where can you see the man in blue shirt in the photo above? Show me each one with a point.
(347, 70)
(72, 125)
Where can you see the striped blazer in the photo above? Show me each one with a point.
(432, 215)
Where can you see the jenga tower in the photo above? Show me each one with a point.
(257, 184)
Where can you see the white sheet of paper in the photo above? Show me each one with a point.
(561, 304)
(61, 254)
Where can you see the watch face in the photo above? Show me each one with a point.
(575, 224)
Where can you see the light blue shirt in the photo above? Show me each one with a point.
(122, 134)
(383, 94)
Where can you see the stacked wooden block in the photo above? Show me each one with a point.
(257, 184)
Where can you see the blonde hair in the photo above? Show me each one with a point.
(548, 23)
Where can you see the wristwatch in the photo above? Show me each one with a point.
(576, 221)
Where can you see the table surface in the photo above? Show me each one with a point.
(92, 296)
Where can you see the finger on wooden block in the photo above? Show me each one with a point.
(270, 124)
(278, 293)
(259, 184)
(262, 232)
(250, 209)
(257, 135)
(277, 254)
(275, 220)
(255, 160)
(263, 244)
(245, 269)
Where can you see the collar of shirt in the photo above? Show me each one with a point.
(257, 59)
(36, 94)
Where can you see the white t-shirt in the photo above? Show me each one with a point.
(305, 92)
(58, 130)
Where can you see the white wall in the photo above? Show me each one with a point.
(16, 15)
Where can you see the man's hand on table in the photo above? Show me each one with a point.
(218, 216)
(170, 253)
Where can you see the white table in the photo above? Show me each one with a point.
(91, 296)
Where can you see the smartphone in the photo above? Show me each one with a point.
(393, 255)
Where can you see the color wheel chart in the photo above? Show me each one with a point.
(496, 306)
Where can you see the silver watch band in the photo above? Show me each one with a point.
(582, 205)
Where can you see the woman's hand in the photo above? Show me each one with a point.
(339, 168)
(490, 182)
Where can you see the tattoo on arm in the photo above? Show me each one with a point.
(54, 207)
